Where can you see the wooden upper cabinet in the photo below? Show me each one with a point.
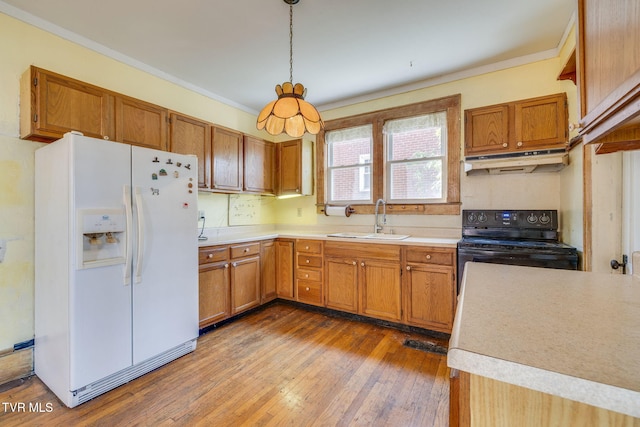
(295, 167)
(608, 73)
(141, 123)
(52, 105)
(530, 124)
(487, 130)
(227, 164)
(259, 165)
(188, 135)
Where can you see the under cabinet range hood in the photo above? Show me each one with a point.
(522, 162)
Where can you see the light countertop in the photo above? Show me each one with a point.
(571, 334)
(232, 238)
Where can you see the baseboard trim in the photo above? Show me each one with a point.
(16, 364)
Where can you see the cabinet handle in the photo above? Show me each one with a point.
(226, 265)
(408, 268)
(306, 276)
(246, 249)
(307, 261)
(106, 137)
(306, 289)
(520, 144)
(428, 256)
(235, 264)
(362, 264)
(306, 248)
(354, 263)
(210, 256)
(504, 144)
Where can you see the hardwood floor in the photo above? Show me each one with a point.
(282, 366)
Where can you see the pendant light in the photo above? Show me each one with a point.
(290, 112)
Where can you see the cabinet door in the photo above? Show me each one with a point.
(245, 284)
(284, 269)
(259, 165)
(227, 153)
(380, 294)
(141, 123)
(191, 136)
(486, 130)
(341, 284)
(214, 293)
(290, 174)
(541, 123)
(430, 296)
(268, 271)
(52, 105)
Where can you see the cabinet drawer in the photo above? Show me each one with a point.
(239, 251)
(213, 254)
(310, 292)
(309, 246)
(315, 275)
(430, 256)
(309, 261)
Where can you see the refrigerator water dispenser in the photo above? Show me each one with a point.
(102, 237)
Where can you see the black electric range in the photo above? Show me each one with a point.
(515, 237)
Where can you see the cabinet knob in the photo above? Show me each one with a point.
(210, 256)
(362, 264)
(307, 261)
(106, 137)
(246, 249)
(235, 264)
(519, 144)
(306, 248)
(306, 276)
(226, 265)
(306, 289)
(408, 268)
(428, 256)
(354, 263)
(504, 144)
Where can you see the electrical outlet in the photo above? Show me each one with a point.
(200, 215)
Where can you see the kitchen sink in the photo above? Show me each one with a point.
(380, 236)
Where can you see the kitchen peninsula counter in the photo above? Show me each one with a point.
(570, 334)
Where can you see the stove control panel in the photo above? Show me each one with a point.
(545, 219)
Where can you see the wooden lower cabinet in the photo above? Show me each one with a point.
(364, 279)
(268, 274)
(342, 284)
(284, 269)
(245, 277)
(430, 287)
(214, 285)
(380, 289)
(309, 280)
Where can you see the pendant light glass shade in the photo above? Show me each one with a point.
(290, 112)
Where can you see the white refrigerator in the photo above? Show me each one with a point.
(116, 263)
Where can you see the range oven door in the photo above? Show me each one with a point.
(523, 257)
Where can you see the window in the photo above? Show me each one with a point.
(348, 150)
(416, 158)
(408, 156)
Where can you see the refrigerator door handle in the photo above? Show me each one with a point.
(140, 243)
(126, 194)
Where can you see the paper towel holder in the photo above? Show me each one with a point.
(348, 210)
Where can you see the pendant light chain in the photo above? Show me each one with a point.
(291, 42)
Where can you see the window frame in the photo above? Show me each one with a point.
(451, 190)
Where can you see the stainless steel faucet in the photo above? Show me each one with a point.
(377, 227)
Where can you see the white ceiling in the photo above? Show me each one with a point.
(343, 50)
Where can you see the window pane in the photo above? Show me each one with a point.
(416, 137)
(416, 180)
(350, 184)
(349, 146)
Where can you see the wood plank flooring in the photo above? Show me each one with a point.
(282, 366)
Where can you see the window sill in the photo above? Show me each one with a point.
(406, 209)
